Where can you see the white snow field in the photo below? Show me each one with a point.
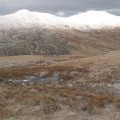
(89, 19)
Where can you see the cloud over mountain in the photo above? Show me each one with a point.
(8, 6)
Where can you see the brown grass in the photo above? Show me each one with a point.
(72, 92)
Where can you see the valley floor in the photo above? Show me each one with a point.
(60, 87)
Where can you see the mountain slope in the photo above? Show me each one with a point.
(26, 33)
(53, 41)
(95, 19)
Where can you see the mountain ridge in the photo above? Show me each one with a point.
(92, 19)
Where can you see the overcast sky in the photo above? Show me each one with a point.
(9, 6)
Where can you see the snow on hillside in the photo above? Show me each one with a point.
(92, 19)
(25, 18)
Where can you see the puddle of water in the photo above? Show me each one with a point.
(35, 79)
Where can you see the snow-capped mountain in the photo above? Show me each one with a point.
(25, 18)
(92, 19)
(33, 33)
(95, 19)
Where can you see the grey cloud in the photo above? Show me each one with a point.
(114, 11)
(7, 6)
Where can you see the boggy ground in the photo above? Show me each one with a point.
(84, 88)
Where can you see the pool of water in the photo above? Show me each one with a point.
(35, 79)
